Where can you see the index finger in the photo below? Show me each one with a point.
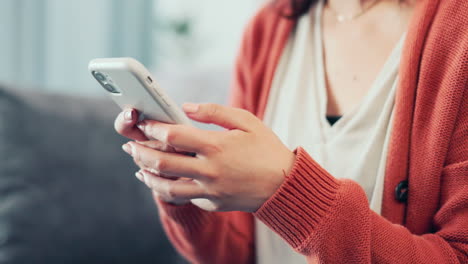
(125, 125)
(181, 137)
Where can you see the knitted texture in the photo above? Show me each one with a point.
(329, 220)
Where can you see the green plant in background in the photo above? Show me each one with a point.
(181, 27)
(176, 40)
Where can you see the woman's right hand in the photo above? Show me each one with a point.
(126, 124)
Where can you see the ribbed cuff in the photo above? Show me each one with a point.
(188, 216)
(302, 201)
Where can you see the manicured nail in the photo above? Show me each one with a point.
(127, 148)
(139, 175)
(190, 108)
(153, 171)
(141, 125)
(128, 115)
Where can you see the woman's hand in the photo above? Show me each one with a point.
(234, 170)
(126, 124)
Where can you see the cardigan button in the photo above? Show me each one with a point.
(401, 192)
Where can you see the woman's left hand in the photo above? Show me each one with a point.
(233, 170)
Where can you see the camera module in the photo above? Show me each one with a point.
(99, 76)
(110, 88)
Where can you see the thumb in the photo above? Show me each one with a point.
(227, 117)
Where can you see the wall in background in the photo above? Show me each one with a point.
(212, 37)
(48, 43)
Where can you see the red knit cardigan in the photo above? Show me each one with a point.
(328, 219)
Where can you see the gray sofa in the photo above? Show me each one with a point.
(67, 191)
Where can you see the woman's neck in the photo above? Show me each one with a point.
(348, 7)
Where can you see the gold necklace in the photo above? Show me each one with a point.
(342, 18)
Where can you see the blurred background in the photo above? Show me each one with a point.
(48, 43)
(67, 191)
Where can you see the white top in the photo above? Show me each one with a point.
(355, 147)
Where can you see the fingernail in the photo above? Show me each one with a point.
(153, 171)
(141, 125)
(190, 108)
(139, 175)
(127, 148)
(128, 115)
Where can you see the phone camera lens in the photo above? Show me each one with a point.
(110, 88)
(99, 76)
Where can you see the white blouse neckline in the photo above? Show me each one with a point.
(355, 147)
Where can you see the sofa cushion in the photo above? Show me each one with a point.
(67, 191)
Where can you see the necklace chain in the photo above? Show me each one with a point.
(342, 18)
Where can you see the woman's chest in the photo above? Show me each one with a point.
(353, 55)
(351, 66)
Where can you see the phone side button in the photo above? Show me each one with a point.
(156, 91)
(165, 102)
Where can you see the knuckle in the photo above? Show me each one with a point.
(214, 147)
(202, 172)
(160, 165)
(170, 192)
(211, 110)
(171, 134)
(214, 174)
(235, 134)
(211, 174)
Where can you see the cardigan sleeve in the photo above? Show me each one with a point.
(329, 219)
(208, 237)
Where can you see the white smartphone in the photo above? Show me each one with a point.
(131, 85)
